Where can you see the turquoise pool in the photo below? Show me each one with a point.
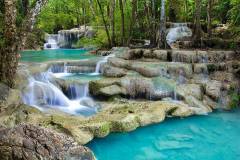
(58, 54)
(212, 137)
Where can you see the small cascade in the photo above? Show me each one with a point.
(104, 60)
(52, 42)
(41, 93)
(181, 77)
(77, 91)
(205, 73)
(177, 32)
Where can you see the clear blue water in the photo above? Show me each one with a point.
(212, 137)
(58, 54)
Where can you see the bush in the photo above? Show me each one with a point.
(99, 41)
(235, 97)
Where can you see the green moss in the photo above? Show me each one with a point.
(102, 129)
(234, 97)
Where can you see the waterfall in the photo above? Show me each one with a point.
(177, 32)
(42, 94)
(52, 42)
(99, 63)
(77, 91)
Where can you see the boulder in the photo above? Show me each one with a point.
(220, 56)
(213, 89)
(120, 63)
(9, 97)
(112, 91)
(147, 53)
(200, 108)
(161, 54)
(138, 87)
(126, 124)
(31, 142)
(200, 68)
(131, 54)
(157, 54)
(110, 71)
(184, 56)
(186, 90)
(209, 102)
(95, 86)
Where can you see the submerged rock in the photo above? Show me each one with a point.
(31, 142)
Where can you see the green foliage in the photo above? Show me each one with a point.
(100, 40)
(235, 97)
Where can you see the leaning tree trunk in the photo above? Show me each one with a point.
(197, 31)
(105, 23)
(122, 23)
(162, 31)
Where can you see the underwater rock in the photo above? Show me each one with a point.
(31, 142)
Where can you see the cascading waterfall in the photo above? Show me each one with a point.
(42, 93)
(99, 63)
(52, 42)
(177, 32)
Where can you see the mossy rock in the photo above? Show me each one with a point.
(101, 129)
(129, 123)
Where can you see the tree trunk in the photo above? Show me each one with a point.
(29, 22)
(197, 31)
(25, 4)
(132, 21)
(13, 41)
(186, 10)
(92, 8)
(162, 31)
(153, 23)
(9, 58)
(113, 4)
(209, 18)
(122, 23)
(105, 23)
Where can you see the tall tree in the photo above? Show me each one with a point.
(105, 23)
(122, 23)
(132, 21)
(209, 17)
(153, 24)
(15, 38)
(197, 30)
(113, 4)
(162, 30)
